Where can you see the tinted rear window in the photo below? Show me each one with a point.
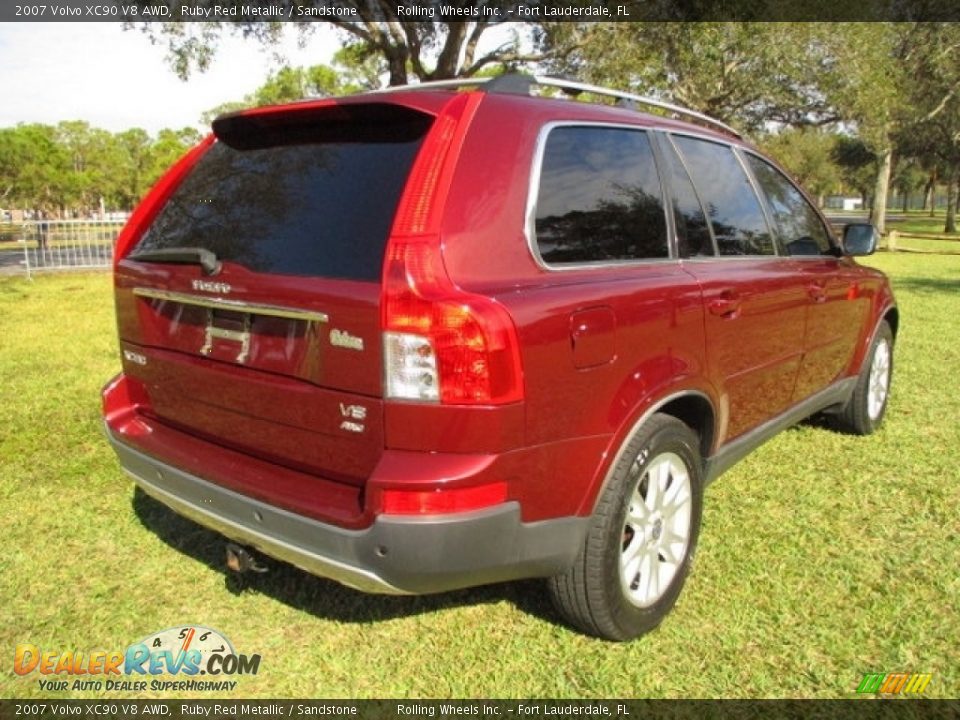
(319, 206)
(600, 197)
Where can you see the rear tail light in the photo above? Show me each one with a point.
(441, 344)
(421, 205)
(411, 364)
(148, 208)
(443, 500)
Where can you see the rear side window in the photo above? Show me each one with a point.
(732, 206)
(693, 230)
(801, 229)
(311, 199)
(600, 198)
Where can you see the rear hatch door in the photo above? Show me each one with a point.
(250, 305)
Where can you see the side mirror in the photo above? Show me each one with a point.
(860, 239)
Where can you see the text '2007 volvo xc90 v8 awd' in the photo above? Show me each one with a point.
(454, 334)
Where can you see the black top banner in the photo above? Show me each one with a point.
(489, 11)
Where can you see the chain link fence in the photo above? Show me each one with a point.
(44, 245)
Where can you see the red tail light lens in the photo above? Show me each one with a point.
(444, 500)
(148, 208)
(422, 202)
(440, 343)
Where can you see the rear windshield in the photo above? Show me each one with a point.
(297, 201)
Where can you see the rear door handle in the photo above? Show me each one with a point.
(726, 305)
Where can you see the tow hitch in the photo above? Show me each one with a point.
(241, 560)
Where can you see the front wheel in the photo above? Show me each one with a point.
(641, 538)
(868, 403)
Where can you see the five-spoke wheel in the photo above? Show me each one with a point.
(641, 538)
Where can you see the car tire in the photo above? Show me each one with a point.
(641, 538)
(864, 412)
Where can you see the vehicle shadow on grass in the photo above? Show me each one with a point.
(318, 596)
(927, 284)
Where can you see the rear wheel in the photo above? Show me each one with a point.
(641, 538)
(864, 412)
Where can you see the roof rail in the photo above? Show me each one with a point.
(521, 84)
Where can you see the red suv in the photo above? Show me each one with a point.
(454, 334)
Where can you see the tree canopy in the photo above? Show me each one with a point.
(882, 84)
(852, 106)
(67, 168)
(425, 50)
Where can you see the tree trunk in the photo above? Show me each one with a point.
(930, 192)
(878, 214)
(397, 65)
(449, 57)
(953, 189)
(906, 202)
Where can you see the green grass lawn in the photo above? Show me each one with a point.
(922, 222)
(919, 221)
(822, 556)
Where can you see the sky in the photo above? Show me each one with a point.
(116, 79)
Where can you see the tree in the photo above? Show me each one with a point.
(747, 74)
(428, 50)
(808, 154)
(857, 165)
(169, 146)
(908, 177)
(351, 71)
(865, 83)
(94, 157)
(34, 167)
(934, 133)
(135, 164)
(66, 170)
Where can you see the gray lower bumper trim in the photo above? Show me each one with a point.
(396, 555)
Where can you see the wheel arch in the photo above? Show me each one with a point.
(892, 316)
(691, 406)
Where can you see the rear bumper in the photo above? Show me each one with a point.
(395, 554)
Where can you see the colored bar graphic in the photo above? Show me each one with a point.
(894, 683)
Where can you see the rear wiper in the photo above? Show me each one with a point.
(182, 255)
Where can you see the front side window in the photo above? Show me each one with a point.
(732, 206)
(801, 230)
(599, 198)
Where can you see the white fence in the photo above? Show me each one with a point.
(60, 245)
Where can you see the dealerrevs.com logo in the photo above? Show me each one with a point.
(187, 657)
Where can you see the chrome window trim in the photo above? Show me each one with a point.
(237, 306)
(533, 192)
(808, 258)
(733, 258)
